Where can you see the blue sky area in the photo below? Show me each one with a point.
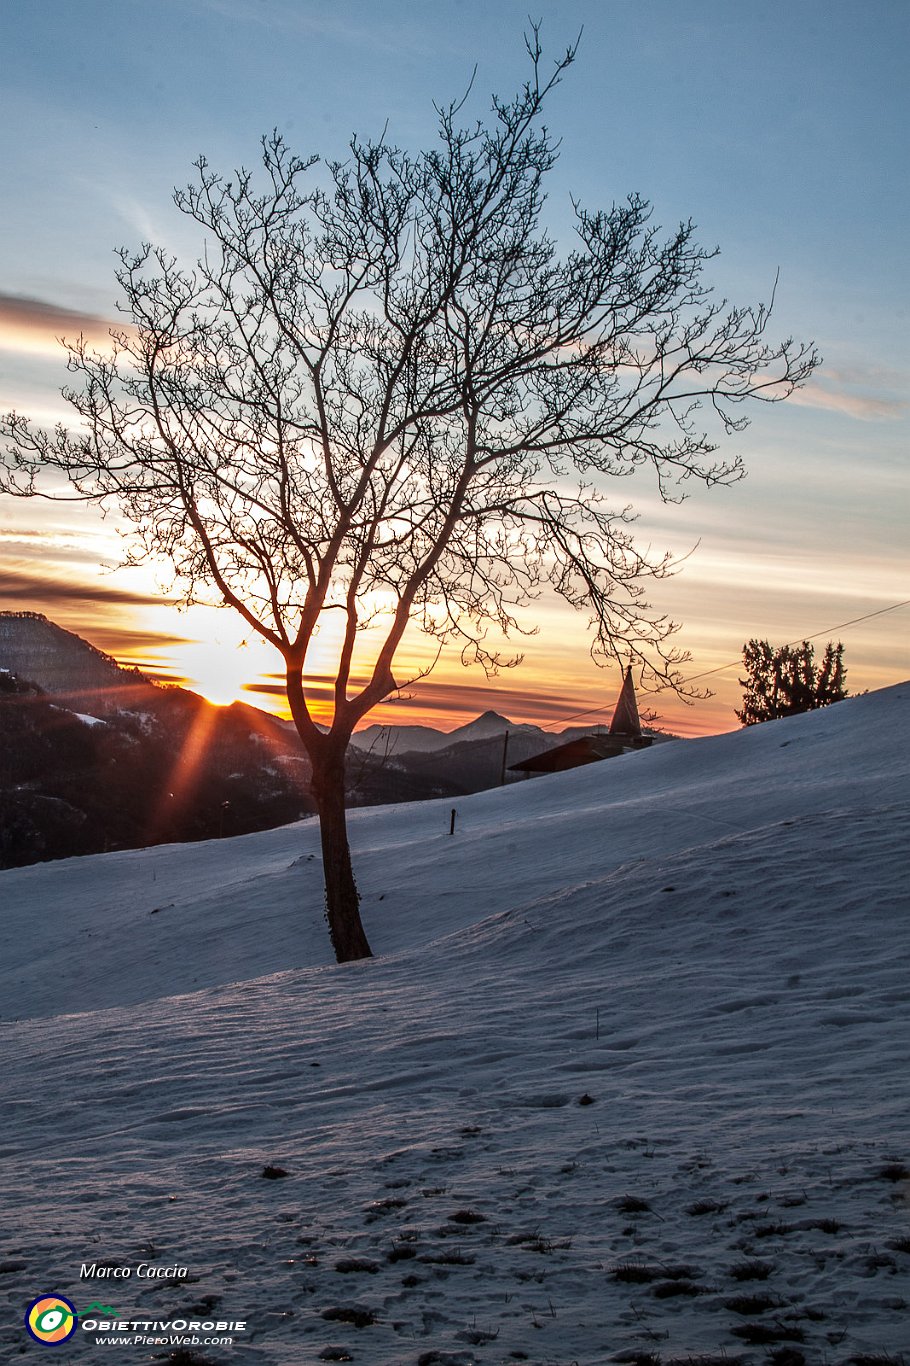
(780, 129)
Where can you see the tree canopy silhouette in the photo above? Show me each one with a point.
(786, 681)
(382, 395)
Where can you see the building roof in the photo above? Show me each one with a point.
(625, 733)
(625, 716)
(588, 749)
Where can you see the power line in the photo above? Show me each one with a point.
(575, 716)
(814, 636)
(736, 663)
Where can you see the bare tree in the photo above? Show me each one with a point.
(382, 393)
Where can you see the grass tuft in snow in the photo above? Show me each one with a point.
(700, 1207)
(747, 1305)
(353, 1314)
(894, 1171)
(271, 1173)
(632, 1204)
(466, 1216)
(751, 1271)
(757, 1334)
(184, 1357)
(786, 1356)
(635, 1273)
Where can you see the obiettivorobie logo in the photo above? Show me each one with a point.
(51, 1319)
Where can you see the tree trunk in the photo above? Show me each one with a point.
(342, 900)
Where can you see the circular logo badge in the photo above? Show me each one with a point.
(51, 1318)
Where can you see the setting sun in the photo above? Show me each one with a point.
(223, 661)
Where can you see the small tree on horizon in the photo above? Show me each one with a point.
(786, 681)
(382, 397)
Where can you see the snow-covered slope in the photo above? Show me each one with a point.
(707, 941)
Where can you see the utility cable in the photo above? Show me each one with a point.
(829, 630)
(737, 663)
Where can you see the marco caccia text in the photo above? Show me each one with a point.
(143, 1272)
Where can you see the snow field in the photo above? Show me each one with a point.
(626, 1082)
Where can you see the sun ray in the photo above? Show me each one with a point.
(184, 771)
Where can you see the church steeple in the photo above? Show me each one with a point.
(625, 717)
(624, 737)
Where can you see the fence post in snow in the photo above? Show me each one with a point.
(452, 823)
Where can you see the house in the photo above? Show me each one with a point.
(624, 734)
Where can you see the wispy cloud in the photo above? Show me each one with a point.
(41, 592)
(46, 546)
(863, 407)
(853, 373)
(446, 704)
(34, 326)
(139, 647)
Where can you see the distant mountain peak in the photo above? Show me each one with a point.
(482, 727)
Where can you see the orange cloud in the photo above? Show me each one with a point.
(32, 326)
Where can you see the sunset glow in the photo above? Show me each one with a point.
(813, 541)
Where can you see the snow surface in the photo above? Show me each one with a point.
(707, 940)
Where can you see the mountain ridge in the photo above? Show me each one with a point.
(95, 757)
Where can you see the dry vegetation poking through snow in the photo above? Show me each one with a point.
(628, 1082)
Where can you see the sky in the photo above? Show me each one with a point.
(780, 130)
